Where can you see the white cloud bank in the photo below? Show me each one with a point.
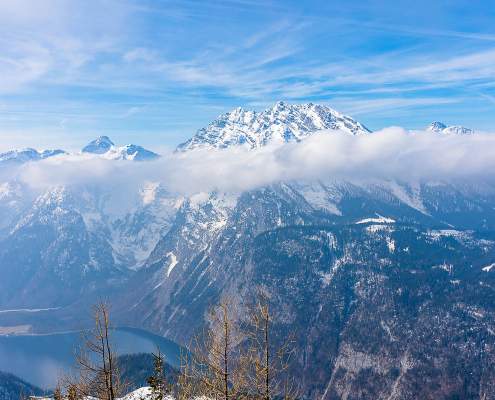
(392, 153)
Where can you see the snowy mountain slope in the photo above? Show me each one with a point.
(135, 234)
(331, 278)
(69, 237)
(53, 254)
(14, 199)
(440, 127)
(78, 241)
(281, 123)
(179, 262)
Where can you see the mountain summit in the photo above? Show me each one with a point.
(440, 127)
(282, 123)
(131, 152)
(105, 147)
(99, 146)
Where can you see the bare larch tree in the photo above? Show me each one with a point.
(97, 372)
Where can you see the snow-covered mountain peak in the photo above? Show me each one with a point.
(281, 106)
(28, 154)
(436, 126)
(104, 147)
(440, 127)
(100, 145)
(20, 155)
(130, 152)
(282, 122)
(237, 116)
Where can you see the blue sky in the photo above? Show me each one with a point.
(152, 72)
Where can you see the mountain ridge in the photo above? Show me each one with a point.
(102, 146)
(281, 123)
(28, 154)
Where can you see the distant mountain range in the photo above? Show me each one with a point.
(25, 155)
(282, 123)
(388, 286)
(101, 146)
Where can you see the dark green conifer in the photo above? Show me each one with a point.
(157, 381)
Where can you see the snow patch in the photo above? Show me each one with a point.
(488, 268)
(391, 245)
(318, 198)
(173, 263)
(377, 228)
(28, 310)
(446, 267)
(446, 232)
(378, 220)
(412, 198)
(143, 393)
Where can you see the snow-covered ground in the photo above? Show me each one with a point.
(143, 393)
(139, 394)
(378, 220)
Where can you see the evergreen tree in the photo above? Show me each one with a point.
(157, 381)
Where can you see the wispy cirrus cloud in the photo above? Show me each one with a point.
(391, 104)
(182, 63)
(47, 38)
